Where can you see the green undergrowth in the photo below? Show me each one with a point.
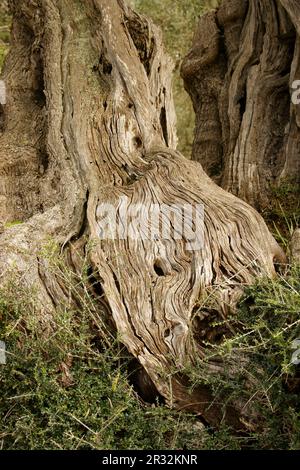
(283, 212)
(66, 382)
(263, 352)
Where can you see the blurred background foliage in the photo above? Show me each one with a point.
(177, 19)
(4, 30)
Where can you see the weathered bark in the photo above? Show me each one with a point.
(239, 73)
(89, 118)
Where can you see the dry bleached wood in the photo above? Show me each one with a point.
(239, 73)
(295, 246)
(90, 119)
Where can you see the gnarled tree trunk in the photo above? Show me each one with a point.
(240, 74)
(89, 120)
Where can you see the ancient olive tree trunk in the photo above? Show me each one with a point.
(241, 74)
(89, 120)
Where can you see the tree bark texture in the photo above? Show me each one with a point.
(239, 73)
(90, 119)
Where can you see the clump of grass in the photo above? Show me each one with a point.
(65, 384)
(178, 21)
(283, 213)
